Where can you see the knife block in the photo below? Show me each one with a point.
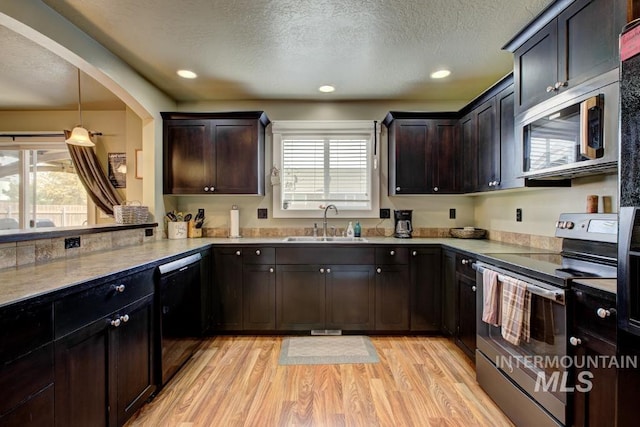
(192, 231)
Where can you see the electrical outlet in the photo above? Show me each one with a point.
(148, 232)
(385, 213)
(263, 213)
(518, 215)
(72, 242)
(452, 214)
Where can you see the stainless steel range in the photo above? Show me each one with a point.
(527, 375)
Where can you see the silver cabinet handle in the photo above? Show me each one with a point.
(258, 252)
(378, 270)
(119, 288)
(473, 288)
(115, 322)
(414, 253)
(392, 253)
(271, 270)
(550, 89)
(603, 313)
(322, 271)
(436, 189)
(558, 85)
(124, 318)
(238, 253)
(328, 270)
(397, 188)
(575, 341)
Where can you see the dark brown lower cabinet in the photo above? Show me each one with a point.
(392, 298)
(300, 297)
(425, 290)
(466, 331)
(449, 293)
(259, 297)
(350, 296)
(103, 372)
(38, 411)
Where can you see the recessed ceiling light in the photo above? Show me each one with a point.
(440, 74)
(187, 74)
(326, 88)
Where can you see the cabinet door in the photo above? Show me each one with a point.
(239, 157)
(488, 147)
(38, 411)
(350, 293)
(300, 297)
(259, 297)
(588, 39)
(410, 153)
(449, 293)
(466, 335)
(134, 357)
(227, 290)
(425, 289)
(82, 376)
(510, 149)
(446, 175)
(536, 67)
(469, 151)
(188, 157)
(392, 298)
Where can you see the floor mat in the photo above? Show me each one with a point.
(327, 350)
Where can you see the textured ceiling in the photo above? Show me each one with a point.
(285, 49)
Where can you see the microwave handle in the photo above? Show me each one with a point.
(588, 107)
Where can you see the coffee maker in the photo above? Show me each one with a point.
(402, 226)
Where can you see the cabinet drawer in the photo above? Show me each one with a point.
(324, 255)
(24, 327)
(82, 308)
(463, 266)
(595, 314)
(258, 255)
(25, 377)
(37, 411)
(392, 255)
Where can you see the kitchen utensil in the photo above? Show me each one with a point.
(172, 217)
(187, 217)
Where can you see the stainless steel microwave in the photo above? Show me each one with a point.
(572, 135)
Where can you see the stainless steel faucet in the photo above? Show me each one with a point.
(324, 222)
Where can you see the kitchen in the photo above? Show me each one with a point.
(493, 211)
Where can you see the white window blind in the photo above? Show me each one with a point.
(320, 165)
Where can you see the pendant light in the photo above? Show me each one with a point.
(80, 135)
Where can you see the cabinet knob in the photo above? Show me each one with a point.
(397, 188)
(322, 271)
(212, 189)
(464, 262)
(603, 313)
(258, 252)
(473, 288)
(115, 322)
(392, 252)
(414, 253)
(271, 270)
(124, 318)
(119, 288)
(575, 341)
(328, 270)
(550, 89)
(378, 270)
(238, 253)
(558, 85)
(435, 189)
(206, 188)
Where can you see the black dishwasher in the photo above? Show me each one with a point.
(179, 314)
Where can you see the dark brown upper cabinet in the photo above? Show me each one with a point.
(423, 153)
(569, 43)
(214, 153)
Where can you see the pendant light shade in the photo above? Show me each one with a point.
(80, 135)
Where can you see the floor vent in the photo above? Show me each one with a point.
(326, 332)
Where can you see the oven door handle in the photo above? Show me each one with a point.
(556, 295)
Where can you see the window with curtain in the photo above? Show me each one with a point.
(323, 163)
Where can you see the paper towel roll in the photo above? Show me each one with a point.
(234, 222)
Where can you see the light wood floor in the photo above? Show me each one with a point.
(236, 381)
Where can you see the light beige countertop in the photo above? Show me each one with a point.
(28, 281)
(607, 285)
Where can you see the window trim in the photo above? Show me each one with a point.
(360, 128)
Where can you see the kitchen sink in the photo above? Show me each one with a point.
(311, 239)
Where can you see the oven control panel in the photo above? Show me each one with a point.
(582, 226)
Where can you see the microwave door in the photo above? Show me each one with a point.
(591, 146)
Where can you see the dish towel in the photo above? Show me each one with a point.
(491, 297)
(516, 310)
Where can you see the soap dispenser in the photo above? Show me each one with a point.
(357, 230)
(350, 229)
